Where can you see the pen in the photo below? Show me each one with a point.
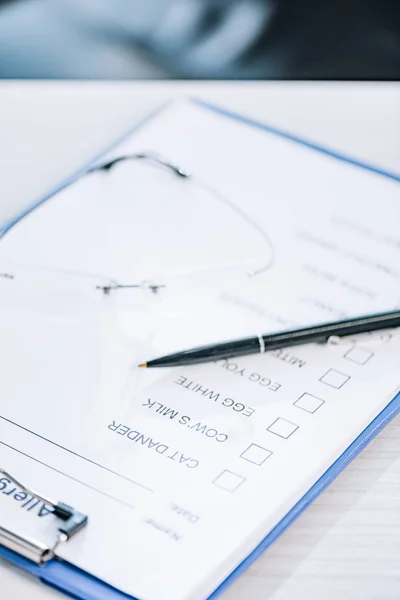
(274, 341)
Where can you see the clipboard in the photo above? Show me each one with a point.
(28, 553)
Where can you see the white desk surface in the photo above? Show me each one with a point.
(347, 544)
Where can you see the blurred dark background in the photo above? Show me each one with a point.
(213, 39)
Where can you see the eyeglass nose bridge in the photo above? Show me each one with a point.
(109, 287)
(144, 285)
(7, 275)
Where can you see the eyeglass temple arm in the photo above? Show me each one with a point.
(150, 156)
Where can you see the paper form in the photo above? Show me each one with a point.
(184, 471)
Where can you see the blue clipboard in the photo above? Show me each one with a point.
(83, 586)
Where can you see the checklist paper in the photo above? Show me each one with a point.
(184, 471)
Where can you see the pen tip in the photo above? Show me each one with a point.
(143, 365)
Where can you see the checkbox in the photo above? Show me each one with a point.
(309, 403)
(358, 355)
(334, 378)
(256, 454)
(229, 481)
(282, 428)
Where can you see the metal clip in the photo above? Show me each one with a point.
(72, 522)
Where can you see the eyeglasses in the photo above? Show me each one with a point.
(164, 242)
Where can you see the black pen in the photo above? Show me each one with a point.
(274, 341)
